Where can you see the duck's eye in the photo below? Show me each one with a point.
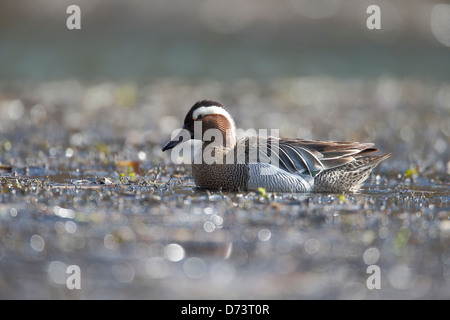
(200, 116)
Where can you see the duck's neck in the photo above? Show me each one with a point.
(217, 151)
(229, 138)
(229, 133)
(221, 129)
(222, 139)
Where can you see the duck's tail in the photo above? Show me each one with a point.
(348, 177)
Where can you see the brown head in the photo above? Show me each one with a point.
(206, 114)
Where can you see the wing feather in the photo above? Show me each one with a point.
(301, 156)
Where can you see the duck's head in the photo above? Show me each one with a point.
(205, 115)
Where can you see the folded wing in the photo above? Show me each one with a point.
(300, 156)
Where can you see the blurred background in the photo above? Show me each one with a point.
(74, 104)
(316, 59)
(224, 40)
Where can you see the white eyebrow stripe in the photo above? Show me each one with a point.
(213, 110)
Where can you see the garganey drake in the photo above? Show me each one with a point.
(276, 164)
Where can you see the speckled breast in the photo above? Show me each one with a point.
(232, 177)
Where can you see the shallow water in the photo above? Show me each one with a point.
(83, 181)
(81, 188)
(141, 237)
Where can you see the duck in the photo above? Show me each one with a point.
(292, 165)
